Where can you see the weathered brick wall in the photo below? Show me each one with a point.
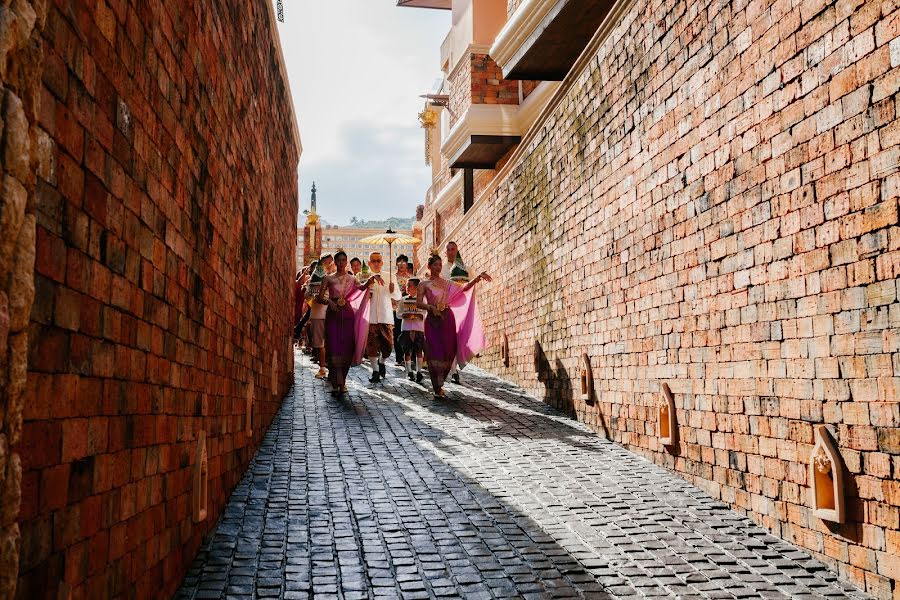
(714, 204)
(450, 217)
(479, 81)
(488, 85)
(20, 76)
(460, 92)
(166, 203)
(528, 87)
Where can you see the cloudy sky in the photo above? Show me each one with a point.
(357, 68)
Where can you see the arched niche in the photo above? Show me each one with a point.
(826, 477)
(667, 429)
(504, 350)
(586, 376)
(201, 479)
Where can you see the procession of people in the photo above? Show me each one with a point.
(347, 312)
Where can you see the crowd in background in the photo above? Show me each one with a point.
(347, 312)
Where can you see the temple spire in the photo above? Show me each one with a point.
(312, 202)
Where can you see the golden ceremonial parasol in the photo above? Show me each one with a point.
(390, 237)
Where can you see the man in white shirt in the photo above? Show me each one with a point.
(403, 275)
(452, 251)
(381, 319)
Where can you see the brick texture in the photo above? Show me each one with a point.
(488, 85)
(713, 204)
(479, 80)
(165, 203)
(20, 77)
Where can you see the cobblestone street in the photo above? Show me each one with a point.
(489, 494)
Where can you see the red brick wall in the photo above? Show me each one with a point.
(166, 206)
(478, 80)
(460, 92)
(528, 87)
(713, 204)
(488, 85)
(20, 81)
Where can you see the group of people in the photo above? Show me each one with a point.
(346, 311)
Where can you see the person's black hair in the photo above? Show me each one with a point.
(402, 258)
(339, 253)
(356, 259)
(414, 281)
(433, 258)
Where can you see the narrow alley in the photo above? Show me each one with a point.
(490, 494)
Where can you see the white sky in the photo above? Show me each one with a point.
(357, 68)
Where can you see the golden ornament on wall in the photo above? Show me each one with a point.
(427, 119)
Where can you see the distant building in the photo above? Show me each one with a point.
(336, 238)
(331, 238)
(309, 238)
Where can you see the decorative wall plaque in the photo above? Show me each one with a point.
(826, 477)
(666, 417)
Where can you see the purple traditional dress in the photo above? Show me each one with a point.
(457, 333)
(346, 329)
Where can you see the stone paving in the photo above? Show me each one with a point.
(388, 493)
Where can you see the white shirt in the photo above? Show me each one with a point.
(447, 268)
(412, 324)
(380, 309)
(318, 310)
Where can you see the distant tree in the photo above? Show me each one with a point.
(396, 223)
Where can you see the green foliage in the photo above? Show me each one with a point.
(395, 223)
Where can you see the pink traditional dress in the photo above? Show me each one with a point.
(457, 333)
(346, 329)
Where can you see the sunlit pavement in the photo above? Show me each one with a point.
(388, 493)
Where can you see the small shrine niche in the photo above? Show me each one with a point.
(587, 380)
(826, 477)
(248, 425)
(666, 417)
(504, 350)
(201, 479)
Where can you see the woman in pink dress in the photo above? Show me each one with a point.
(346, 322)
(452, 326)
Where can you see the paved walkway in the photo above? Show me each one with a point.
(488, 494)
